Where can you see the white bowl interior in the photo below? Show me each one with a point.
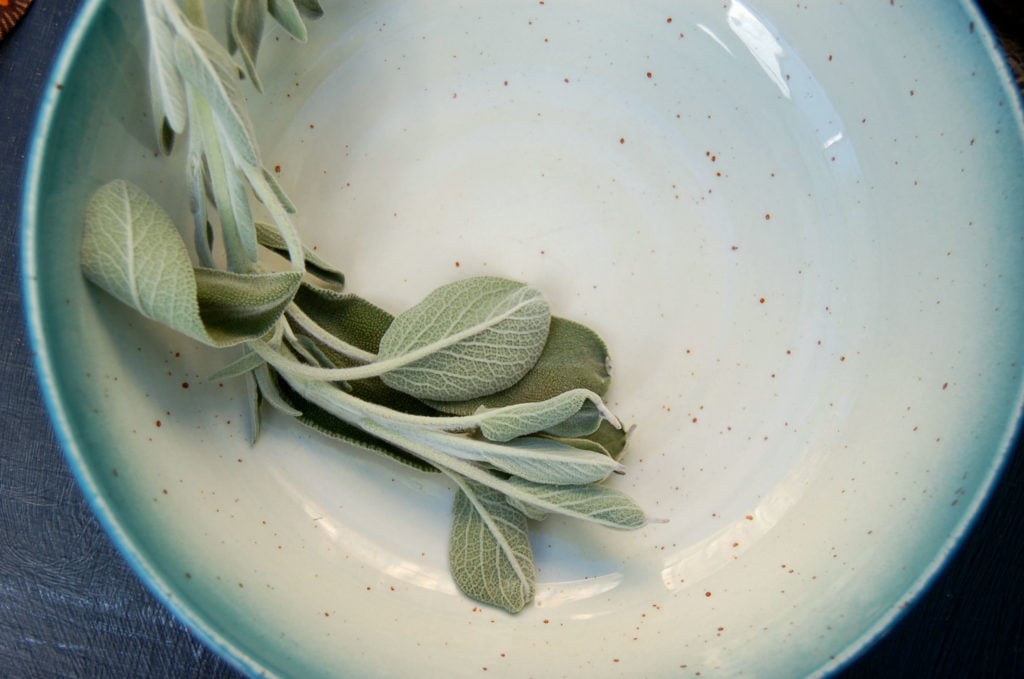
(797, 228)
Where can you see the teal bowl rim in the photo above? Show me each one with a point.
(147, 572)
(150, 575)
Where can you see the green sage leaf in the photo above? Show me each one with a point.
(594, 502)
(198, 176)
(310, 8)
(466, 339)
(282, 197)
(242, 365)
(535, 459)
(206, 66)
(269, 237)
(167, 91)
(509, 422)
(350, 318)
(546, 461)
(227, 190)
(246, 31)
(583, 422)
(270, 392)
(489, 551)
(607, 440)
(131, 249)
(591, 502)
(286, 13)
(238, 307)
(574, 357)
(253, 400)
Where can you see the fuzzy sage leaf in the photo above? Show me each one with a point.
(591, 502)
(509, 422)
(310, 8)
(167, 91)
(489, 551)
(131, 249)
(596, 503)
(468, 338)
(574, 357)
(534, 459)
(286, 13)
(208, 68)
(246, 30)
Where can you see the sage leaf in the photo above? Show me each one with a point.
(591, 502)
(346, 316)
(167, 91)
(229, 39)
(489, 551)
(271, 394)
(518, 420)
(509, 422)
(307, 347)
(269, 237)
(198, 176)
(465, 339)
(607, 440)
(227, 190)
(239, 307)
(246, 31)
(287, 14)
(310, 8)
(207, 67)
(594, 502)
(245, 363)
(131, 249)
(574, 357)
(253, 400)
(535, 459)
(282, 197)
(583, 422)
(548, 462)
(270, 194)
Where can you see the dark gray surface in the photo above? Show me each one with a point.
(70, 606)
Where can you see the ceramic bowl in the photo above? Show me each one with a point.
(796, 226)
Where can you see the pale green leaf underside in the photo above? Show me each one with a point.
(473, 337)
(574, 357)
(489, 551)
(512, 421)
(247, 32)
(583, 422)
(286, 13)
(594, 502)
(550, 462)
(606, 439)
(205, 65)
(131, 249)
(310, 8)
(167, 92)
(537, 459)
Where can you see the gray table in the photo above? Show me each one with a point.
(70, 606)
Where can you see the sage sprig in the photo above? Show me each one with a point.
(478, 381)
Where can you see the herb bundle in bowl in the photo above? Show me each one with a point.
(478, 381)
